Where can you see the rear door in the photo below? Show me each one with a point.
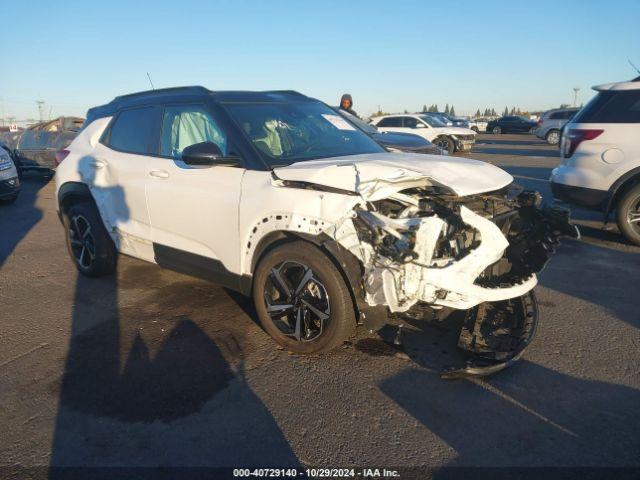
(194, 209)
(391, 124)
(116, 175)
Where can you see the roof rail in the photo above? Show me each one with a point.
(288, 92)
(191, 89)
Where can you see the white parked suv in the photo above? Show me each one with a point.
(451, 139)
(277, 196)
(600, 150)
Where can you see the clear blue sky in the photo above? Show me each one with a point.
(394, 53)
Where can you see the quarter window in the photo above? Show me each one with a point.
(186, 125)
(134, 131)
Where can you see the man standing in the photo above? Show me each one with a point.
(346, 104)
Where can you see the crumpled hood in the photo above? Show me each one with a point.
(377, 175)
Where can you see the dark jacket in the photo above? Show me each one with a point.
(350, 109)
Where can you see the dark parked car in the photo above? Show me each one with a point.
(9, 181)
(35, 148)
(404, 142)
(511, 124)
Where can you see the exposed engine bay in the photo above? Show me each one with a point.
(438, 235)
(478, 253)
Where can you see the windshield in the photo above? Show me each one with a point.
(364, 126)
(285, 133)
(433, 121)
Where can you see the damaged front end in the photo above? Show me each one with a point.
(425, 247)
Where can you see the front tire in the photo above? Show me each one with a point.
(496, 130)
(628, 215)
(301, 299)
(446, 144)
(475, 129)
(553, 137)
(88, 242)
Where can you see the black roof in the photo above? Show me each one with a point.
(193, 92)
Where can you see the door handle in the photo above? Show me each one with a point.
(159, 173)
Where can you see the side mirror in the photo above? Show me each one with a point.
(207, 153)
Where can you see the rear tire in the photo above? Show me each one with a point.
(496, 130)
(553, 137)
(88, 242)
(628, 215)
(445, 143)
(301, 299)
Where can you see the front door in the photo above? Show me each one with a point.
(194, 209)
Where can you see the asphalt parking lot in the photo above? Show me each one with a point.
(155, 368)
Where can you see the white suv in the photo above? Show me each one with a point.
(600, 151)
(451, 139)
(277, 196)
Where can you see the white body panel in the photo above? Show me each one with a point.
(598, 163)
(362, 172)
(117, 182)
(195, 209)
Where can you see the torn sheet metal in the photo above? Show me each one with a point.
(376, 176)
(401, 267)
(452, 284)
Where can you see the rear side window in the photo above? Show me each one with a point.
(557, 116)
(390, 122)
(135, 131)
(611, 107)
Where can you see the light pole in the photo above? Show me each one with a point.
(575, 96)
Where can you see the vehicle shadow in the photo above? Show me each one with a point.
(145, 385)
(597, 271)
(481, 148)
(495, 140)
(17, 219)
(525, 416)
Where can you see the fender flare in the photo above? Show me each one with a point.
(72, 190)
(619, 187)
(372, 317)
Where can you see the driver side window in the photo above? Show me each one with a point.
(186, 125)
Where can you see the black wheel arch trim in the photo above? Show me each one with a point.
(372, 317)
(620, 187)
(70, 190)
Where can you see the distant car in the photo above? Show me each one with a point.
(551, 122)
(600, 167)
(451, 139)
(9, 181)
(511, 124)
(448, 120)
(394, 141)
(478, 125)
(35, 148)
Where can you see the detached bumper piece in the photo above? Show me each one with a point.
(495, 335)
